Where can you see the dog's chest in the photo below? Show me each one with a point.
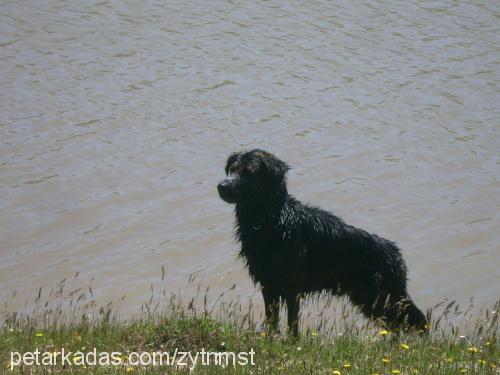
(270, 258)
(260, 241)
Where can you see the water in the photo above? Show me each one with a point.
(116, 118)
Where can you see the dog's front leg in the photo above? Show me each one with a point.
(272, 307)
(293, 306)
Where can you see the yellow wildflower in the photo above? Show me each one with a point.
(336, 372)
(386, 360)
(313, 334)
(472, 349)
(39, 334)
(482, 362)
(347, 365)
(405, 347)
(130, 369)
(385, 332)
(395, 372)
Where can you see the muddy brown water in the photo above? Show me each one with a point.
(116, 118)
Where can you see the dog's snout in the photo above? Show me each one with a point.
(222, 186)
(230, 178)
(227, 182)
(226, 189)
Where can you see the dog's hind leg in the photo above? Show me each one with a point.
(293, 307)
(272, 308)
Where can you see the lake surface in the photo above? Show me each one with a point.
(116, 118)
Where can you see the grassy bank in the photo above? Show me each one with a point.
(349, 348)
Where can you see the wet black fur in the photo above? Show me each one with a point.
(292, 249)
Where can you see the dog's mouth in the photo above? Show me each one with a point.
(226, 192)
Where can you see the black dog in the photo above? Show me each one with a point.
(292, 249)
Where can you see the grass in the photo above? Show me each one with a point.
(459, 342)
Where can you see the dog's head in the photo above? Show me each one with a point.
(252, 176)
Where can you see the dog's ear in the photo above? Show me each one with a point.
(277, 168)
(231, 159)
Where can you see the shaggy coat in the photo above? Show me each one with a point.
(292, 249)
